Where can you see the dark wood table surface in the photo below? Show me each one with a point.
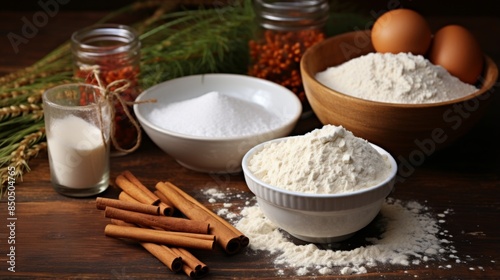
(61, 237)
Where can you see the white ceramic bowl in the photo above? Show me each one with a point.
(319, 218)
(223, 154)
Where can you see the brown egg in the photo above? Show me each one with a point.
(456, 49)
(401, 30)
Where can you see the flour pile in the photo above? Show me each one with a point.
(395, 78)
(410, 236)
(405, 234)
(324, 161)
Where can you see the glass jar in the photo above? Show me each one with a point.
(286, 29)
(115, 51)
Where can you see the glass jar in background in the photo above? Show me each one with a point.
(286, 28)
(115, 50)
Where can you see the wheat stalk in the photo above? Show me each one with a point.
(176, 41)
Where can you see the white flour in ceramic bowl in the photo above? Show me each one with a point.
(329, 160)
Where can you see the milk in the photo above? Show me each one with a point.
(78, 155)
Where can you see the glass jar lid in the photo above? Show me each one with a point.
(105, 39)
(292, 15)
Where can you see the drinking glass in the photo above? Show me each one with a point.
(77, 125)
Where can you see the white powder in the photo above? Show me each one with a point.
(215, 115)
(218, 197)
(77, 153)
(394, 78)
(405, 233)
(408, 237)
(323, 161)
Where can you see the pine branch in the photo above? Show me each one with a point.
(175, 42)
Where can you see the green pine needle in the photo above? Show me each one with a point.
(175, 43)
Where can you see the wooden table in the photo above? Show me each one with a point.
(61, 237)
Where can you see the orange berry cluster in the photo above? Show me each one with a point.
(113, 70)
(277, 57)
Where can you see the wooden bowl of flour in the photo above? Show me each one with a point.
(410, 132)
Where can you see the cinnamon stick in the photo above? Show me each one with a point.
(165, 208)
(187, 234)
(121, 223)
(164, 254)
(134, 191)
(126, 197)
(165, 204)
(162, 197)
(155, 221)
(194, 235)
(127, 174)
(167, 257)
(231, 239)
(102, 202)
(192, 266)
(157, 236)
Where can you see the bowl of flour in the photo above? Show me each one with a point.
(322, 186)
(208, 122)
(401, 102)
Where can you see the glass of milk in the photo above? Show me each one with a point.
(77, 125)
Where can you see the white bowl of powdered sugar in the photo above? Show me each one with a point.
(320, 187)
(208, 122)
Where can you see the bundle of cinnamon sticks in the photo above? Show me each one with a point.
(147, 217)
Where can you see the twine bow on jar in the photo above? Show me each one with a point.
(111, 92)
(105, 55)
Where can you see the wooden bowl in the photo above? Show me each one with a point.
(409, 132)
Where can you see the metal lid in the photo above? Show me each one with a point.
(291, 14)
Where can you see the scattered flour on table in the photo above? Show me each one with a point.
(394, 78)
(323, 161)
(216, 196)
(409, 234)
(215, 115)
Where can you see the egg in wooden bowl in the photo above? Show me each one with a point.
(409, 131)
